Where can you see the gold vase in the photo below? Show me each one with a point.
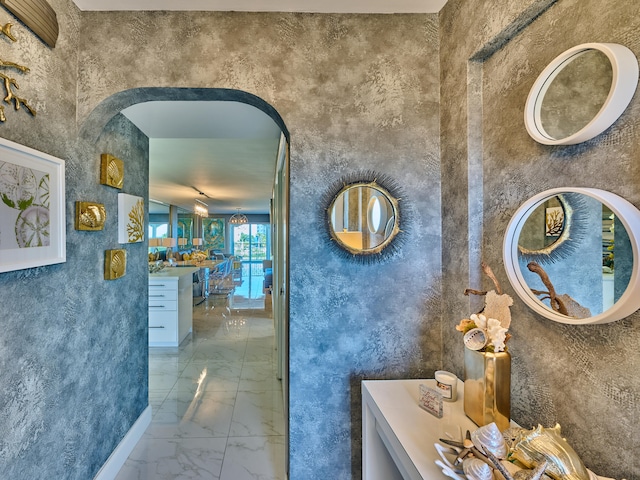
(487, 387)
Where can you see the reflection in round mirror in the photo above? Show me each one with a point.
(363, 216)
(581, 93)
(570, 255)
(358, 217)
(375, 214)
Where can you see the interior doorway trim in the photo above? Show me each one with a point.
(113, 105)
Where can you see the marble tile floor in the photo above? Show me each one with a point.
(217, 404)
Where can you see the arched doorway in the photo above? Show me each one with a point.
(99, 118)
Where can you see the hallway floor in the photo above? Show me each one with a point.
(217, 404)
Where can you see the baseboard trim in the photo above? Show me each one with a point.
(117, 458)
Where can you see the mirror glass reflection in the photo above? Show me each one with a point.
(363, 218)
(582, 248)
(575, 94)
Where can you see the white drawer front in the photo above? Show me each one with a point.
(161, 294)
(163, 327)
(163, 284)
(156, 305)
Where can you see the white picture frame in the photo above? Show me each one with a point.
(32, 208)
(130, 218)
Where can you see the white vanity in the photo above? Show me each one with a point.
(398, 436)
(170, 306)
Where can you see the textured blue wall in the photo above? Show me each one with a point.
(356, 92)
(73, 364)
(584, 377)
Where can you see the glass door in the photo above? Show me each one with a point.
(251, 243)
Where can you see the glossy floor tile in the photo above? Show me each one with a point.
(216, 402)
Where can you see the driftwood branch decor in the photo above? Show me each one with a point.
(563, 304)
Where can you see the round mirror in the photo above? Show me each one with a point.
(363, 218)
(581, 93)
(571, 255)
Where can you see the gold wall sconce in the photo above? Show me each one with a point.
(90, 216)
(111, 171)
(115, 264)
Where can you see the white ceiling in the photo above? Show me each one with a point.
(319, 6)
(227, 150)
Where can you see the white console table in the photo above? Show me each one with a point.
(170, 306)
(398, 435)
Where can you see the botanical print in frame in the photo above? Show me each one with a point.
(554, 221)
(213, 233)
(130, 218)
(32, 208)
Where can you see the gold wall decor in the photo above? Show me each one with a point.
(90, 216)
(10, 83)
(115, 264)
(131, 224)
(111, 171)
(38, 16)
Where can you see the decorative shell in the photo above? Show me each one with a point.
(512, 434)
(118, 263)
(540, 444)
(115, 265)
(94, 216)
(476, 469)
(489, 438)
(475, 339)
(114, 173)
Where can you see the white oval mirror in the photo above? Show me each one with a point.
(571, 254)
(581, 93)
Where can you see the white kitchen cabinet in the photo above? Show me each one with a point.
(170, 306)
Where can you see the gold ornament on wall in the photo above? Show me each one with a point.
(115, 264)
(10, 83)
(90, 216)
(38, 16)
(131, 224)
(111, 171)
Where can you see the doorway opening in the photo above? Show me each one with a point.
(251, 245)
(172, 396)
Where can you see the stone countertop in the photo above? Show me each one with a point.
(169, 272)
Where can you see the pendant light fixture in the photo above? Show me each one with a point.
(200, 208)
(238, 218)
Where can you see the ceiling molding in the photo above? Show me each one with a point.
(310, 6)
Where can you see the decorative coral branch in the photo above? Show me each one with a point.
(6, 31)
(22, 68)
(18, 101)
(11, 83)
(556, 304)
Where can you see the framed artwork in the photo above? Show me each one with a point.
(32, 208)
(213, 232)
(185, 229)
(554, 221)
(130, 218)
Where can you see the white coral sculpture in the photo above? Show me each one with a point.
(495, 318)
